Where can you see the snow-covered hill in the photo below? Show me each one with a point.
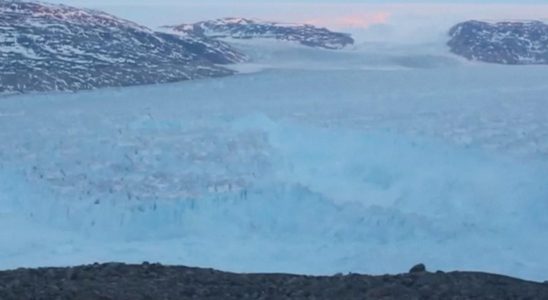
(523, 42)
(46, 47)
(240, 28)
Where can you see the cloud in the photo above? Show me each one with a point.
(403, 15)
(363, 20)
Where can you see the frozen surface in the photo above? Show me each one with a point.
(316, 162)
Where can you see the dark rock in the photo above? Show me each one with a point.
(47, 47)
(71, 274)
(125, 282)
(420, 268)
(504, 42)
(239, 28)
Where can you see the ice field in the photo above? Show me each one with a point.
(310, 161)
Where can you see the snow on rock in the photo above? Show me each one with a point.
(240, 28)
(509, 42)
(45, 47)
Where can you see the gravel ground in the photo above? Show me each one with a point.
(155, 282)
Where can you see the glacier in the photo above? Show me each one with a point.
(312, 161)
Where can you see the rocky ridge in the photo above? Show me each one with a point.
(49, 47)
(154, 281)
(511, 42)
(242, 28)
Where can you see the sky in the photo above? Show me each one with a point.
(392, 19)
(172, 2)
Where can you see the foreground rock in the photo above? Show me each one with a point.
(47, 47)
(152, 281)
(239, 28)
(514, 43)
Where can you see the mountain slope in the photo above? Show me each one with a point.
(503, 42)
(240, 28)
(45, 47)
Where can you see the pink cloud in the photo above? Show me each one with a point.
(352, 21)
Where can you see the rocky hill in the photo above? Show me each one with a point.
(514, 43)
(240, 28)
(46, 47)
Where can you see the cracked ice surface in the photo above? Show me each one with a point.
(293, 169)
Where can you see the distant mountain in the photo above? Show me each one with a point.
(45, 47)
(503, 42)
(239, 28)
